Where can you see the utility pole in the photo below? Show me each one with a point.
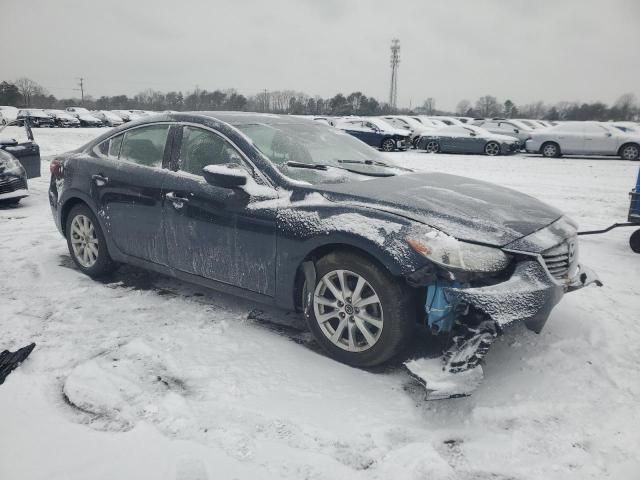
(81, 89)
(395, 61)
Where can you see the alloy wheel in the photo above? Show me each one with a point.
(388, 145)
(432, 147)
(630, 152)
(84, 241)
(550, 150)
(492, 149)
(348, 310)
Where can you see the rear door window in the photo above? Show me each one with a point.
(145, 145)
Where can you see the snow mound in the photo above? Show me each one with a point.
(127, 384)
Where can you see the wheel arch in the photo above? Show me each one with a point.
(627, 144)
(547, 142)
(71, 201)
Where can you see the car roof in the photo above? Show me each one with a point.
(248, 117)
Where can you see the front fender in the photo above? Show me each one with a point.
(303, 232)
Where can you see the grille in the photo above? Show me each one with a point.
(561, 258)
(11, 185)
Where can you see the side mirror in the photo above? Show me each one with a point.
(224, 176)
(608, 134)
(515, 130)
(472, 134)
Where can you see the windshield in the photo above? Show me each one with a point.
(293, 146)
(381, 124)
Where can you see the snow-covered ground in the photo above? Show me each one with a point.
(175, 382)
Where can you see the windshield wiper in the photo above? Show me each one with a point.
(313, 166)
(376, 163)
(324, 167)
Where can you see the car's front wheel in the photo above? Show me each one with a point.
(492, 149)
(634, 241)
(359, 313)
(550, 150)
(86, 242)
(389, 145)
(630, 152)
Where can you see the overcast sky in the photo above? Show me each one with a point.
(525, 50)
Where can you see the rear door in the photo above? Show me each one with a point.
(126, 185)
(216, 232)
(570, 137)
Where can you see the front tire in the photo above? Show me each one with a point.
(550, 150)
(86, 242)
(630, 152)
(492, 149)
(388, 145)
(360, 314)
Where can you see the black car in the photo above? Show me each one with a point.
(24, 148)
(34, 118)
(376, 133)
(299, 215)
(13, 179)
(63, 119)
(468, 139)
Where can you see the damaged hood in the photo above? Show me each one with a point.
(468, 209)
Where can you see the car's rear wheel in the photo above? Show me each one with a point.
(86, 242)
(630, 152)
(492, 149)
(550, 150)
(360, 314)
(389, 145)
(432, 146)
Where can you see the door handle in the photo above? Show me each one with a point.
(100, 180)
(177, 201)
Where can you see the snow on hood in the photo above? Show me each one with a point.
(464, 208)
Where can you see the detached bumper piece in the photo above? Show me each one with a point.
(527, 296)
(9, 361)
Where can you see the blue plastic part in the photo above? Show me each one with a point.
(440, 314)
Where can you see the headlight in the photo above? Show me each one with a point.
(11, 165)
(451, 253)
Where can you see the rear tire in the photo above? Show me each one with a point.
(630, 151)
(550, 150)
(86, 242)
(634, 241)
(362, 295)
(388, 145)
(432, 146)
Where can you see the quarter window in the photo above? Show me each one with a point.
(145, 145)
(201, 147)
(110, 148)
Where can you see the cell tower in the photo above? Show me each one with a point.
(395, 61)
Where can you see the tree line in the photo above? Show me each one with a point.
(25, 92)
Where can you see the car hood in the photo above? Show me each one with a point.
(462, 207)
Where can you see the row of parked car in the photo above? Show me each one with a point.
(70, 117)
(495, 136)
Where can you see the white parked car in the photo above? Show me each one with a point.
(108, 118)
(77, 111)
(404, 122)
(513, 128)
(8, 114)
(448, 120)
(584, 138)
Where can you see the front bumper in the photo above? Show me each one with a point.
(527, 296)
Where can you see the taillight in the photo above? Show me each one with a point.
(56, 168)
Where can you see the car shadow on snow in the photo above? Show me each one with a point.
(281, 322)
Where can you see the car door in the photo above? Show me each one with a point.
(599, 140)
(126, 185)
(216, 232)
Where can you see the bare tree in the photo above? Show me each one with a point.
(429, 106)
(463, 107)
(28, 88)
(488, 106)
(626, 106)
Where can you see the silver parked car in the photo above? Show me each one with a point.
(512, 128)
(584, 138)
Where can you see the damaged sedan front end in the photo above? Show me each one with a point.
(476, 291)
